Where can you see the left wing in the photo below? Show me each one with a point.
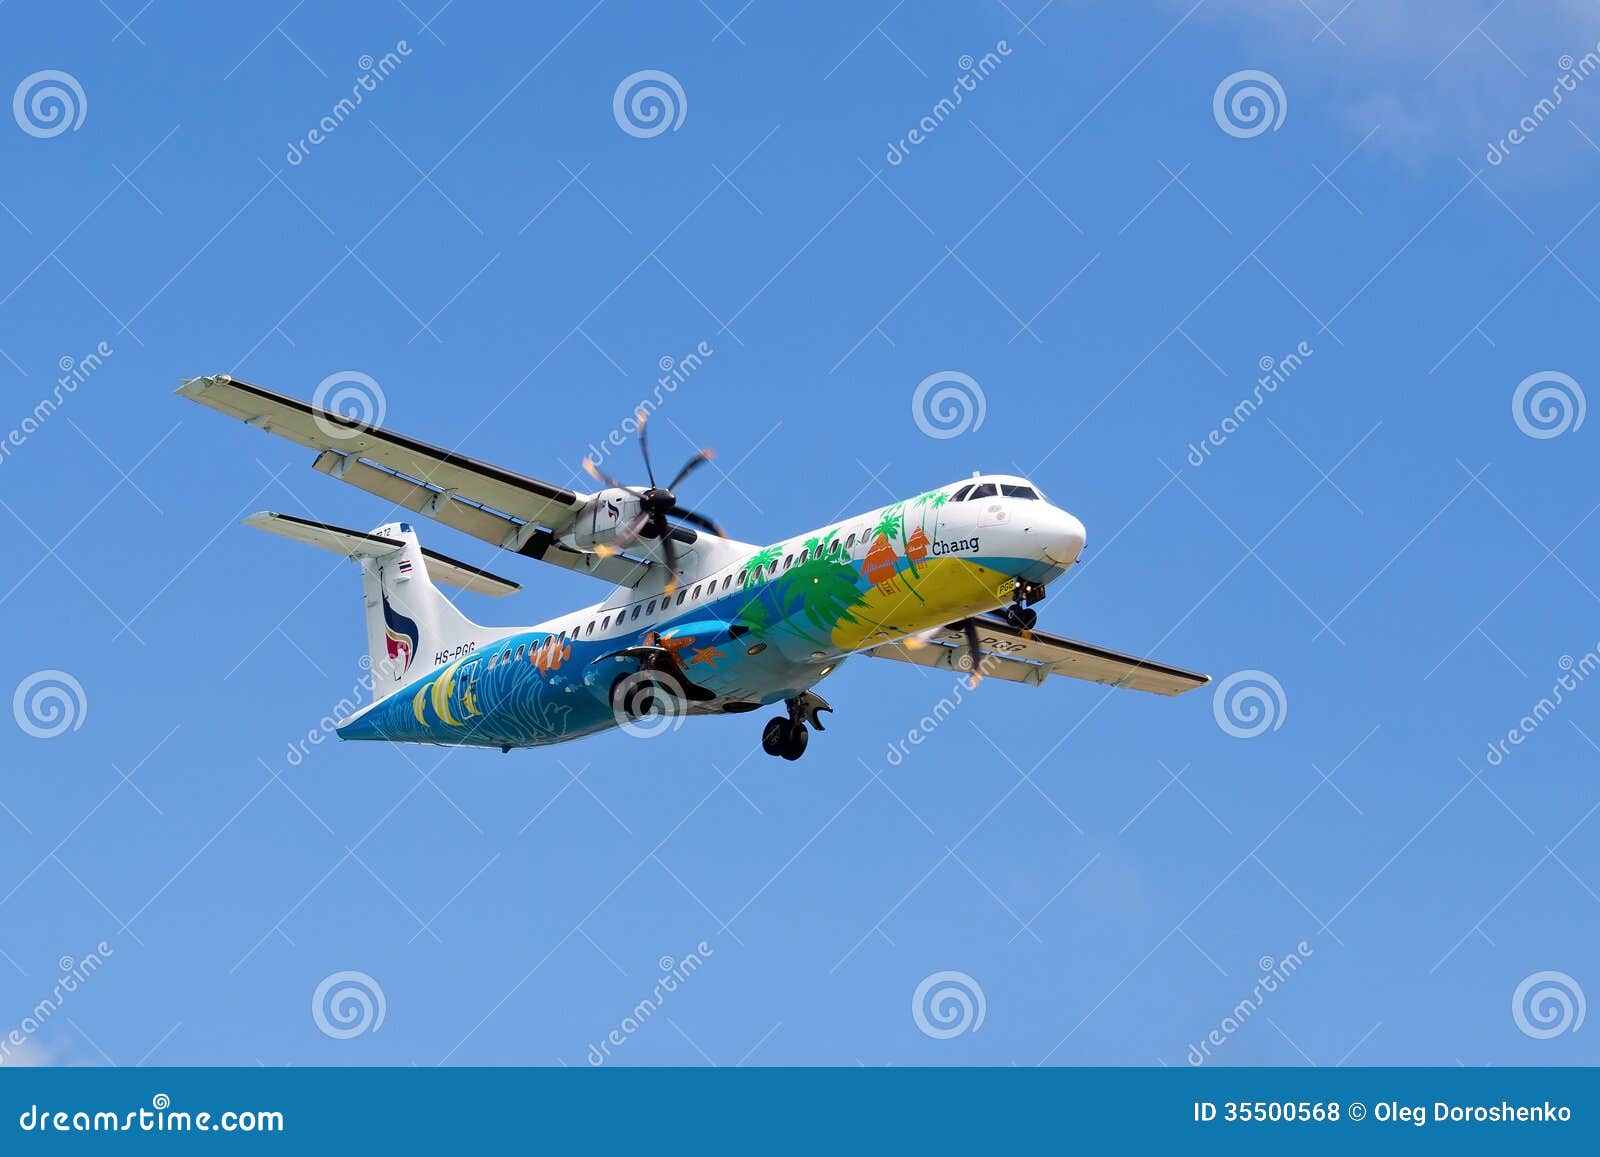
(499, 506)
(1019, 656)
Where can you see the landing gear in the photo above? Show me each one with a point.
(788, 735)
(1023, 618)
(1020, 613)
(784, 738)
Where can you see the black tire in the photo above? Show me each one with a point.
(775, 736)
(798, 737)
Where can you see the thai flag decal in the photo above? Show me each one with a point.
(401, 635)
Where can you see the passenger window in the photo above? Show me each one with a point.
(683, 594)
(984, 491)
(520, 648)
(788, 561)
(605, 622)
(589, 630)
(637, 609)
(727, 582)
(697, 590)
(834, 549)
(849, 543)
(650, 608)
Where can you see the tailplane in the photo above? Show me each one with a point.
(408, 619)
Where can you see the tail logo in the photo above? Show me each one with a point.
(400, 633)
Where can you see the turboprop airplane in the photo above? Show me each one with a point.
(696, 623)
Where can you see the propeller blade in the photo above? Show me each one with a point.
(699, 520)
(670, 555)
(641, 419)
(592, 469)
(974, 653)
(700, 458)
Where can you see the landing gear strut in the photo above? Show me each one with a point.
(1020, 613)
(787, 735)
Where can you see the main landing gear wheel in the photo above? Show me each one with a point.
(787, 735)
(784, 738)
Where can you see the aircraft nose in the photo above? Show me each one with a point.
(1064, 538)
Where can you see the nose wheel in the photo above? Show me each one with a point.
(1020, 613)
(1023, 618)
(786, 736)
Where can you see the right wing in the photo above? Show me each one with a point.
(510, 510)
(1019, 656)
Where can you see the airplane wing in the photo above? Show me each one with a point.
(1019, 656)
(360, 544)
(499, 506)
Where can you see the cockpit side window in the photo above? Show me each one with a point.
(961, 495)
(1013, 491)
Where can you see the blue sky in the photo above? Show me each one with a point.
(1085, 239)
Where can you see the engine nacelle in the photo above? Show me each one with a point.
(599, 520)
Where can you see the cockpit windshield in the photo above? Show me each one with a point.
(974, 490)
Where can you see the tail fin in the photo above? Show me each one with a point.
(407, 617)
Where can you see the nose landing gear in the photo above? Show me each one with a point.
(787, 735)
(1020, 613)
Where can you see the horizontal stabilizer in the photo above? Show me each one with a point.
(359, 544)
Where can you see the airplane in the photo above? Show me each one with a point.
(696, 623)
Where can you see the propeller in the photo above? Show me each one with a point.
(657, 505)
(974, 653)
